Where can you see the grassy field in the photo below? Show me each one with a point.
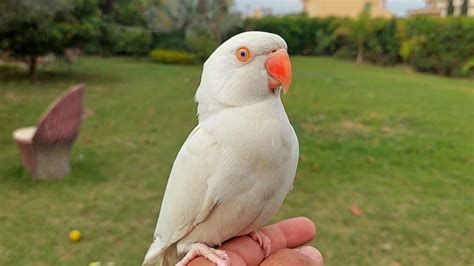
(399, 145)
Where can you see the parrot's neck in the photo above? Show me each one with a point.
(206, 110)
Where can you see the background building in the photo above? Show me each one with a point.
(440, 8)
(345, 8)
(259, 13)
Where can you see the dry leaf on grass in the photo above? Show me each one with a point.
(356, 211)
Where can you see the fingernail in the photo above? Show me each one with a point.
(311, 252)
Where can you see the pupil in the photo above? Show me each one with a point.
(242, 53)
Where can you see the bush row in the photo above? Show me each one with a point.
(443, 46)
(438, 45)
(172, 56)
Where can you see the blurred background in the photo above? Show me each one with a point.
(382, 102)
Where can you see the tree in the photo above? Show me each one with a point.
(11, 9)
(27, 38)
(30, 29)
(212, 19)
(464, 7)
(450, 10)
(167, 16)
(107, 6)
(358, 31)
(215, 15)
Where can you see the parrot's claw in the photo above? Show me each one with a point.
(218, 257)
(263, 240)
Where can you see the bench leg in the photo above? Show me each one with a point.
(52, 161)
(28, 156)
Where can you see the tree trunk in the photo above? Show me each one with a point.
(213, 25)
(108, 7)
(464, 7)
(360, 52)
(216, 31)
(32, 62)
(450, 10)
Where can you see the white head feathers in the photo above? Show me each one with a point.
(228, 82)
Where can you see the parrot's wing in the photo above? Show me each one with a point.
(188, 199)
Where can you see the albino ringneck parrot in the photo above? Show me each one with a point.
(236, 167)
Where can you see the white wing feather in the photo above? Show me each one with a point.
(188, 199)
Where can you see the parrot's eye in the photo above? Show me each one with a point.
(243, 54)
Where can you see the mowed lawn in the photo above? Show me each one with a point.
(397, 145)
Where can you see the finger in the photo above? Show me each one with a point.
(288, 256)
(312, 253)
(285, 234)
(281, 257)
(288, 233)
(246, 248)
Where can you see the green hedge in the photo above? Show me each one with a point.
(303, 35)
(169, 40)
(172, 56)
(133, 41)
(437, 45)
(383, 46)
(122, 40)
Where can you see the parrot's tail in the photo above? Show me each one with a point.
(170, 256)
(163, 255)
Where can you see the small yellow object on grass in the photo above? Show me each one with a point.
(74, 235)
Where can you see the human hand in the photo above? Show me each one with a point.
(286, 238)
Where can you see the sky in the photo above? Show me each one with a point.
(294, 6)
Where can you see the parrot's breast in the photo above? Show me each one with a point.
(259, 156)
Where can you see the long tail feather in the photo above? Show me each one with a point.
(165, 255)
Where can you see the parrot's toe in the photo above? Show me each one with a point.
(263, 240)
(218, 257)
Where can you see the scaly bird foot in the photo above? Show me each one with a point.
(263, 240)
(218, 257)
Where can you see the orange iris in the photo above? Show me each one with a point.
(243, 54)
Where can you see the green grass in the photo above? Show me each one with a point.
(395, 143)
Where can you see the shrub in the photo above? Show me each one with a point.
(300, 32)
(346, 53)
(410, 46)
(133, 41)
(110, 33)
(199, 40)
(88, 35)
(327, 43)
(357, 32)
(124, 40)
(468, 68)
(437, 45)
(441, 45)
(169, 40)
(172, 56)
(319, 36)
(383, 46)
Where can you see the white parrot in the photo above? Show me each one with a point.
(236, 167)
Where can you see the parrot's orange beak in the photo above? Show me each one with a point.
(278, 66)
